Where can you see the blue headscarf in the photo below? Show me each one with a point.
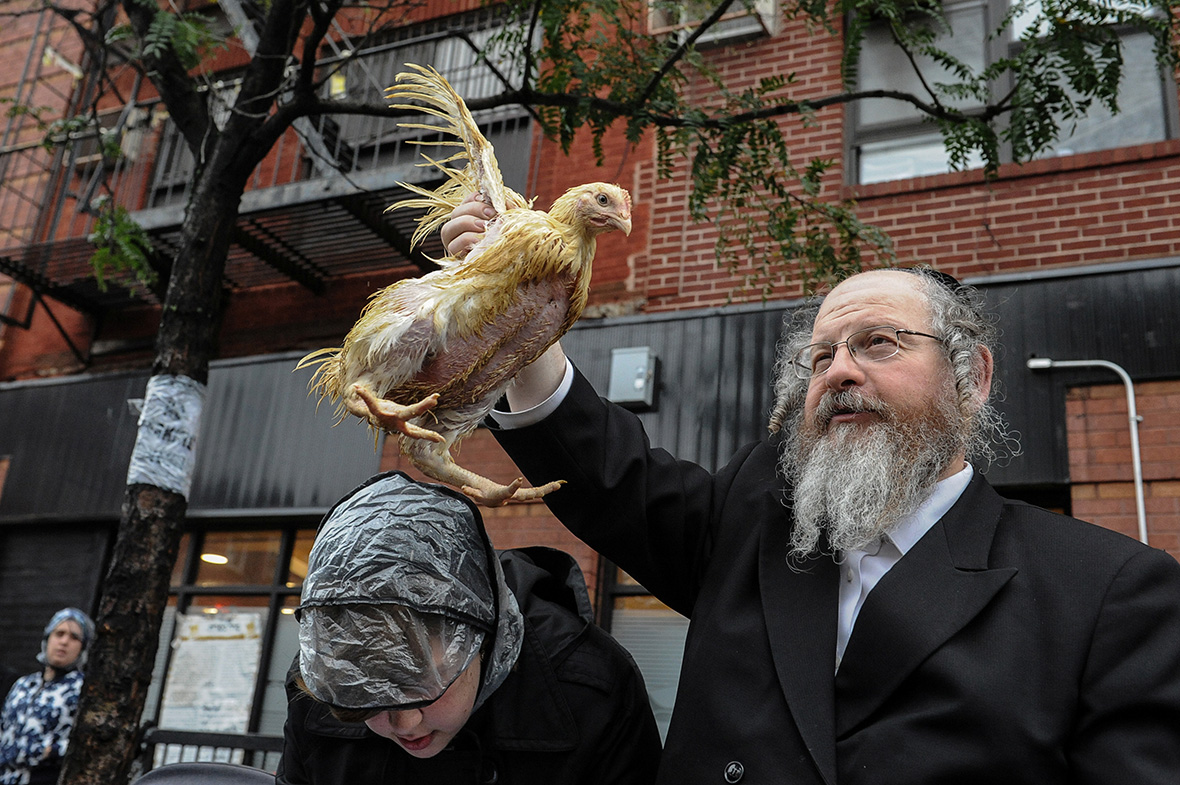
(79, 618)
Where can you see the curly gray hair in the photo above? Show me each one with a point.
(957, 313)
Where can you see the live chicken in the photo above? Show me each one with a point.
(429, 356)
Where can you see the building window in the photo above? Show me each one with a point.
(250, 581)
(652, 632)
(355, 143)
(358, 143)
(891, 140)
(744, 20)
(175, 166)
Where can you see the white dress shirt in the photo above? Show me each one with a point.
(510, 420)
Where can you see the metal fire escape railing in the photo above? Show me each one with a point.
(313, 211)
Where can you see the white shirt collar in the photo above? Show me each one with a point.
(946, 493)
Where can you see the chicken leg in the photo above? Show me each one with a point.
(390, 415)
(430, 451)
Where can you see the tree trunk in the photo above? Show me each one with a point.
(105, 738)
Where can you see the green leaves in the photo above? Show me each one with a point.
(187, 35)
(121, 245)
(67, 130)
(1051, 61)
(776, 224)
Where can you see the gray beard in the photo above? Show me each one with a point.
(857, 483)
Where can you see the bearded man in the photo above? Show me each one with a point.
(864, 607)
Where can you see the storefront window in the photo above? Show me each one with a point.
(297, 567)
(654, 634)
(238, 558)
(229, 634)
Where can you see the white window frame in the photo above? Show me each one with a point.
(759, 18)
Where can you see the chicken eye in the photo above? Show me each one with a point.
(602, 200)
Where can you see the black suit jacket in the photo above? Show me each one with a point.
(1010, 645)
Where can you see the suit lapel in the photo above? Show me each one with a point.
(936, 589)
(799, 602)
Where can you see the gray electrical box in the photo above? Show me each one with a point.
(633, 377)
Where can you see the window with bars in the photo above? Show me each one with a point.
(352, 143)
(453, 46)
(745, 20)
(175, 165)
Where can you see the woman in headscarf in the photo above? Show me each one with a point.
(426, 657)
(39, 712)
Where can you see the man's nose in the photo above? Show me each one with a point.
(845, 370)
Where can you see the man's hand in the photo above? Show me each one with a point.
(466, 225)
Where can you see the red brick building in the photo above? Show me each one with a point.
(1079, 252)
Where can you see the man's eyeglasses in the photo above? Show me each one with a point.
(871, 344)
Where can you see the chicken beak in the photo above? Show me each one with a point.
(623, 223)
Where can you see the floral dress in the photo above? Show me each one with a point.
(36, 722)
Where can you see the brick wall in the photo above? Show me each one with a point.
(1109, 206)
(680, 269)
(41, 350)
(1103, 489)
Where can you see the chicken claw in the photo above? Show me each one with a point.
(495, 495)
(392, 416)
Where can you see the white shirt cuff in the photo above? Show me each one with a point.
(532, 416)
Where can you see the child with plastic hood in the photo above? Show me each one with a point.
(426, 657)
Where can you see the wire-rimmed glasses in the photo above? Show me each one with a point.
(872, 344)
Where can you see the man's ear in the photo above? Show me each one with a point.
(981, 373)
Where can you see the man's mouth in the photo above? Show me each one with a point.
(847, 409)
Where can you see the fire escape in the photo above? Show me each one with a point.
(313, 212)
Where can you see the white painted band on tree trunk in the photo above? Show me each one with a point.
(166, 444)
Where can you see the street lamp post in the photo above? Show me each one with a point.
(1044, 363)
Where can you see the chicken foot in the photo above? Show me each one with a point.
(392, 416)
(435, 461)
(429, 451)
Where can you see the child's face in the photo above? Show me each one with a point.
(426, 731)
(64, 645)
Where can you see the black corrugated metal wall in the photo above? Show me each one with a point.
(716, 366)
(263, 448)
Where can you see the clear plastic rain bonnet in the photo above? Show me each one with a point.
(403, 593)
